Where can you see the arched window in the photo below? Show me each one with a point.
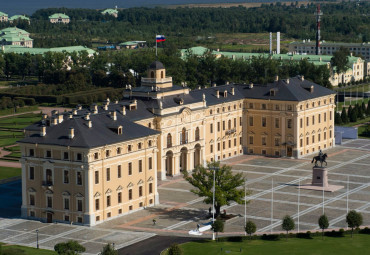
(169, 140)
(152, 74)
(197, 134)
(184, 136)
(229, 124)
(162, 75)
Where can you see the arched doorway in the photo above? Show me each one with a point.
(183, 159)
(169, 160)
(49, 217)
(197, 149)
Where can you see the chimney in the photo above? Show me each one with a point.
(79, 107)
(250, 85)
(43, 131)
(106, 106)
(276, 78)
(60, 118)
(71, 133)
(199, 87)
(214, 84)
(54, 121)
(217, 93)
(74, 112)
(287, 81)
(70, 116)
(114, 115)
(227, 83)
(87, 116)
(302, 78)
(116, 102)
(233, 91)
(89, 124)
(311, 89)
(225, 93)
(123, 110)
(94, 108)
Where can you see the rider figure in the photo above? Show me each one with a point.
(320, 154)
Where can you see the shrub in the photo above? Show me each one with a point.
(306, 235)
(272, 237)
(175, 249)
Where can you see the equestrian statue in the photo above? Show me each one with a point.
(321, 157)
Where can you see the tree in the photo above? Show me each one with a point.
(344, 116)
(354, 220)
(340, 60)
(218, 226)
(338, 119)
(108, 250)
(368, 108)
(226, 185)
(69, 248)
(323, 223)
(250, 228)
(288, 224)
(174, 249)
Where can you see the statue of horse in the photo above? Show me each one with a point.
(322, 159)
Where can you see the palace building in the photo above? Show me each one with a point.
(91, 165)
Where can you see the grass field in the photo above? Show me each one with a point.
(8, 172)
(359, 244)
(20, 121)
(12, 249)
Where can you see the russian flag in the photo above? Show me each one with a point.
(160, 38)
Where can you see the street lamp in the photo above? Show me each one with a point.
(214, 189)
(37, 238)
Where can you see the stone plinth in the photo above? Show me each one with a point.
(320, 181)
(319, 176)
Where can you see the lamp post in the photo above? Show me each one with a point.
(214, 190)
(37, 238)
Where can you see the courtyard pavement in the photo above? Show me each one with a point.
(180, 210)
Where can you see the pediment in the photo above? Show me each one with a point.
(48, 191)
(130, 185)
(97, 194)
(79, 195)
(119, 188)
(108, 191)
(150, 179)
(66, 194)
(140, 182)
(31, 190)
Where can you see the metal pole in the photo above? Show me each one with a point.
(245, 206)
(156, 47)
(272, 202)
(37, 238)
(323, 201)
(299, 194)
(347, 193)
(213, 213)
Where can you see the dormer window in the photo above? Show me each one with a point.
(225, 93)
(119, 130)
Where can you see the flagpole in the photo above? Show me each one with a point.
(156, 47)
(299, 194)
(245, 205)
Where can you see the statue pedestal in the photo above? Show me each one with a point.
(320, 181)
(319, 176)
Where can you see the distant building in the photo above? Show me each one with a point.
(112, 12)
(36, 51)
(355, 72)
(3, 17)
(15, 36)
(59, 18)
(132, 44)
(328, 48)
(19, 17)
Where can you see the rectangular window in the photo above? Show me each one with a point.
(211, 128)
(251, 121)
(324, 135)
(290, 107)
(229, 143)
(330, 115)
(263, 121)
(263, 106)
(119, 171)
(108, 201)
(277, 141)
(130, 168)
(66, 176)
(223, 145)
(313, 120)
(307, 141)
(211, 148)
(223, 125)
(140, 166)
(79, 157)
(129, 148)
(289, 123)
(66, 203)
(140, 191)
(108, 174)
(97, 204)
(218, 126)
(330, 134)
(48, 154)
(139, 146)
(307, 121)
(119, 197)
(301, 142)
(96, 177)
(32, 173)
(324, 116)
(234, 141)
(32, 152)
(263, 140)
(251, 105)
(234, 122)
(130, 194)
(319, 118)
(251, 140)
(301, 123)
(277, 123)
(79, 178)
(313, 139)
(49, 202)
(318, 137)
(65, 155)
(240, 121)
(79, 205)
(96, 155)
(32, 199)
(150, 163)
(107, 153)
(218, 146)
(150, 188)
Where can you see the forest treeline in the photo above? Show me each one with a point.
(346, 21)
(61, 73)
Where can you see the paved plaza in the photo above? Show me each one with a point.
(180, 210)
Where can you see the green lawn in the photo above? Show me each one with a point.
(316, 246)
(20, 121)
(19, 110)
(7, 172)
(353, 103)
(355, 88)
(11, 249)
